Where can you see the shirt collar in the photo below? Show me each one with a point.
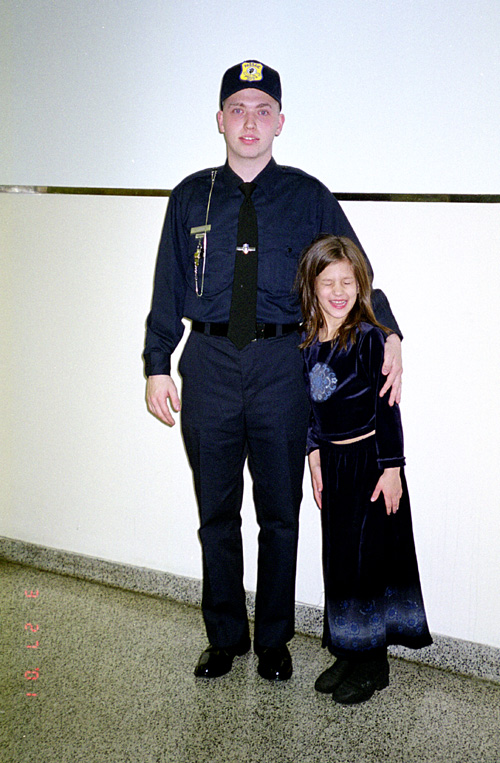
(266, 180)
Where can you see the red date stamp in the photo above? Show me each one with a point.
(33, 674)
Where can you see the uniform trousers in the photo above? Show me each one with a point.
(239, 404)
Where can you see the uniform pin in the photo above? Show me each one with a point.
(245, 249)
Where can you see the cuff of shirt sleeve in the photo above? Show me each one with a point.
(383, 312)
(312, 442)
(398, 333)
(156, 364)
(389, 463)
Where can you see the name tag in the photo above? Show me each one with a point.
(200, 230)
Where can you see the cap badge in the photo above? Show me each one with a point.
(251, 71)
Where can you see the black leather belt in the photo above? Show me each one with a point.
(262, 330)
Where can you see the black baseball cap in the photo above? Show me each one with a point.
(251, 74)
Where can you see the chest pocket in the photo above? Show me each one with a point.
(216, 266)
(278, 268)
(279, 253)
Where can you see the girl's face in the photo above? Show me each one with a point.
(337, 291)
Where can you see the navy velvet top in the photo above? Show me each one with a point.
(343, 387)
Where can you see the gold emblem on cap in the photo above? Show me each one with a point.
(251, 71)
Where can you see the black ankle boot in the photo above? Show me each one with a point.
(330, 679)
(363, 681)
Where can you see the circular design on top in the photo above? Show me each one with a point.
(323, 382)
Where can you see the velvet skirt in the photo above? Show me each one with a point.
(373, 596)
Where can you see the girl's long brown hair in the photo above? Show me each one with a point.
(324, 250)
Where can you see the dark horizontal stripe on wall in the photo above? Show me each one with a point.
(454, 198)
(81, 191)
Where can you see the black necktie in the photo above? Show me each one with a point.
(242, 315)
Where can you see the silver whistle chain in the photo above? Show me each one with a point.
(201, 249)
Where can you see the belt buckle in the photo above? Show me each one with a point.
(260, 331)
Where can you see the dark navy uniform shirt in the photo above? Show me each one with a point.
(292, 208)
(343, 386)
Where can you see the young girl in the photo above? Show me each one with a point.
(372, 587)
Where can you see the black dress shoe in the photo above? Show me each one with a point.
(330, 679)
(275, 663)
(365, 679)
(215, 662)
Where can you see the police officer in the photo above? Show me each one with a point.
(227, 260)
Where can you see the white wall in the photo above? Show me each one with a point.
(379, 96)
(88, 470)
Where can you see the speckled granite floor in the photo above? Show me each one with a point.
(113, 678)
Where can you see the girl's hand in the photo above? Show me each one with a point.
(390, 485)
(316, 478)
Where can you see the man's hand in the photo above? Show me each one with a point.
(390, 485)
(316, 478)
(159, 390)
(392, 368)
